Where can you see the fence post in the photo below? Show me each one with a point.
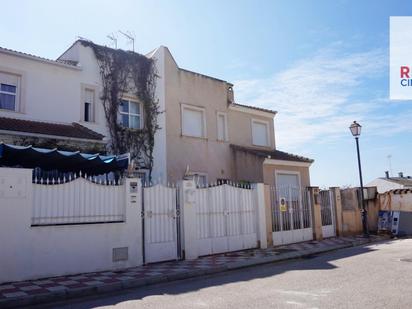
(133, 213)
(337, 202)
(261, 215)
(188, 200)
(316, 213)
(269, 216)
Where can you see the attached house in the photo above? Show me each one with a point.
(203, 132)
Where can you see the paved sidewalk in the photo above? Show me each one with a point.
(59, 288)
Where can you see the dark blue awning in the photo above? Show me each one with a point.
(63, 161)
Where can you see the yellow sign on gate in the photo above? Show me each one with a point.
(282, 204)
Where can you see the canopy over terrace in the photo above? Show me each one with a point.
(62, 161)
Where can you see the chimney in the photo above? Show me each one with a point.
(400, 174)
(387, 174)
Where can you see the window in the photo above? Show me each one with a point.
(222, 130)
(131, 114)
(260, 133)
(9, 92)
(88, 105)
(200, 179)
(193, 121)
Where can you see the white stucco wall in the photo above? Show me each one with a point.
(52, 92)
(37, 252)
(159, 164)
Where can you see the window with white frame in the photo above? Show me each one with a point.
(222, 129)
(260, 133)
(89, 97)
(131, 114)
(200, 179)
(193, 121)
(9, 91)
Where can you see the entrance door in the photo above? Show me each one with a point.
(327, 214)
(161, 217)
(291, 210)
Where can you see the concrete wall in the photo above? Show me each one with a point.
(351, 213)
(396, 200)
(33, 252)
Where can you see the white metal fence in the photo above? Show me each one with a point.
(291, 215)
(76, 201)
(226, 219)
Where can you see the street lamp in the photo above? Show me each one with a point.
(355, 129)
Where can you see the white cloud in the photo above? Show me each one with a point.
(317, 98)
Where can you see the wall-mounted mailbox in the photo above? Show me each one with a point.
(133, 187)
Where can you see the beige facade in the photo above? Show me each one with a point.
(206, 155)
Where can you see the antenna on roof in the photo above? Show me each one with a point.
(130, 36)
(113, 38)
(389, 157)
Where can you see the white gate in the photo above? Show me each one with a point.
(226, 219)
(292, 215)
(161, 221)
(327, 213)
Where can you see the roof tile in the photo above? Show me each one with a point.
(274, 154)
(73, 130)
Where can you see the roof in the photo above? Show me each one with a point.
(404, 181)
(73, 130)
(64, 63)
(256, 108)
(274, 154)
(203, 75)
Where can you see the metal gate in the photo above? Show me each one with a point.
(226, 219)
(291, 215)
(161, 223)
(327, 213)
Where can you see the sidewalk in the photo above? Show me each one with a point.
(60, 288)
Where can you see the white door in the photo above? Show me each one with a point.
(160, 224)
(327, 214)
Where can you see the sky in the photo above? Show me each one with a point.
(321, 64)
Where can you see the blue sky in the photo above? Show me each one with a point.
(320, 64)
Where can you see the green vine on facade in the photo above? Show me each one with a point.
(122, 73)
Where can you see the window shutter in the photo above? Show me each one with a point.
(9, 79)
(192, 123)
(260, 134)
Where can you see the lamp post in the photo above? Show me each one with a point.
(355, 129)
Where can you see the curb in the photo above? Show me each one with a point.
(134, 283)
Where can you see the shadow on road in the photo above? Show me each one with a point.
(314, 262)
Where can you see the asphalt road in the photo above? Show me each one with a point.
(374, 276)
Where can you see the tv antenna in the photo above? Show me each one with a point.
(389, 157)
(113, 38)
(130, 36)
